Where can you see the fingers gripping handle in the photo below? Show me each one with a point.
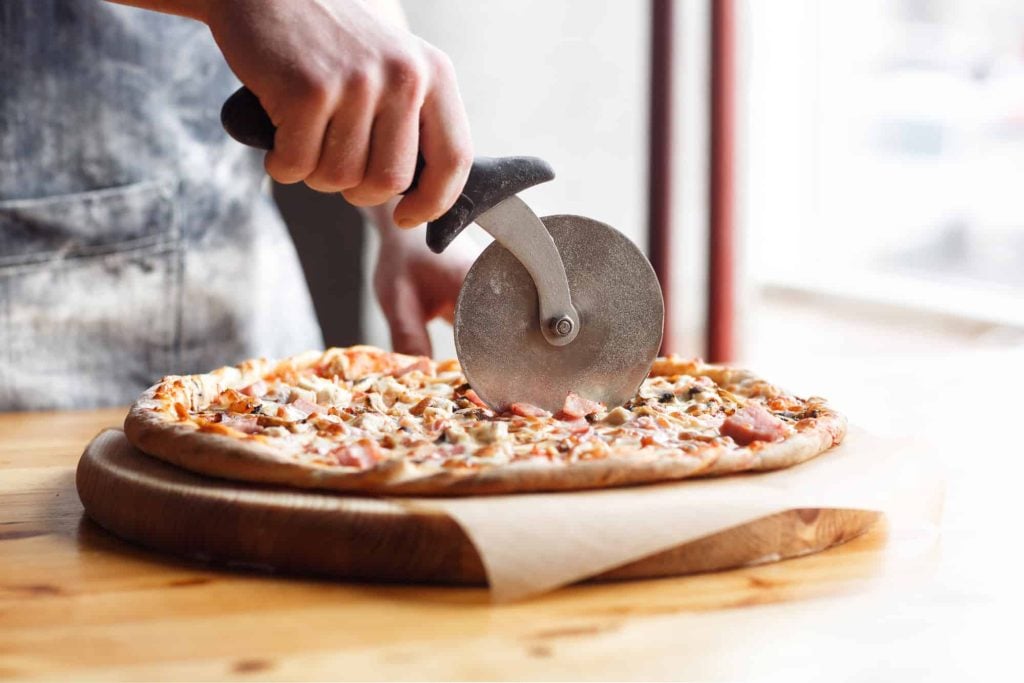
(245, 119)
(491, 180)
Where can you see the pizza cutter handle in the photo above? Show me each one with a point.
(491, 180)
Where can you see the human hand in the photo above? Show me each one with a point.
(354, 97)
(415, 285)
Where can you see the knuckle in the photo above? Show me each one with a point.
(440, 63)
(360, 82)
(311, 89)
(457, 158)
(405, 74)
(401, 67)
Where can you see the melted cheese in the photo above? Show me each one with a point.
(427, 418)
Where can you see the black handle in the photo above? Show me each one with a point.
(491, 180)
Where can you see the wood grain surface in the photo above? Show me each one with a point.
(146, 501)
(77, 603)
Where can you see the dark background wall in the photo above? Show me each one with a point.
(329, 235)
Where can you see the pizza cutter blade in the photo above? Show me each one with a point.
(501, 342)
(555, 305)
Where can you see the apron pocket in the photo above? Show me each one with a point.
(90, 289)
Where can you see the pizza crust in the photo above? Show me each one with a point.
(153, 426)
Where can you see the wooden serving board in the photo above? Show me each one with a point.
(149, 502)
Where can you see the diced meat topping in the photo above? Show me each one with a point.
(527, 410)
(363, 453)
(426, 412)
(577, 425)
(576, 406)
(752, 423)
(307, 407)
(256, 389)
(247, 424)
(422, 365)
(475, 398)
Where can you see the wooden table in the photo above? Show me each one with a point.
(76, 603)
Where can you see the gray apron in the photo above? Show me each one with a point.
(136, 238)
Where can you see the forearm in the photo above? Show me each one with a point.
(193, 9)
(197, 9)
(354, 97)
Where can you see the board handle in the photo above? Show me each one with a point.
(491, 179)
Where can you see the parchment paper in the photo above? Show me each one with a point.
(534, 543)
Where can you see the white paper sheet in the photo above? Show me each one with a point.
(537, 542)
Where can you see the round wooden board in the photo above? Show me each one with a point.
(149, 502)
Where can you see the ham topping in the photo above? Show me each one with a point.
(256, 389)
(247, 424)
(577, 425)
(307, 407)
(423, 365)
(752, 423)
(527, 410)
(363, 453)
(576, 406)
(405, 407)
(475, 398)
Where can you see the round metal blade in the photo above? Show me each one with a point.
(613, 287)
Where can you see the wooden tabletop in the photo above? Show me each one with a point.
(76, 603)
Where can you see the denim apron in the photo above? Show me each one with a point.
(136, 238)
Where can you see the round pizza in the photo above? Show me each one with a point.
(361, 419)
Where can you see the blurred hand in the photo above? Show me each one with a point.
(415, 285)
(354, 96)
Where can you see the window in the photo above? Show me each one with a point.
(884, 152)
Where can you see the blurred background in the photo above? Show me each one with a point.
(877, 163)
(882, 158)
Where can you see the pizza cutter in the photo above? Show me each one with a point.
(554, 305)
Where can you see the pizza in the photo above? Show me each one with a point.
(361, 419)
